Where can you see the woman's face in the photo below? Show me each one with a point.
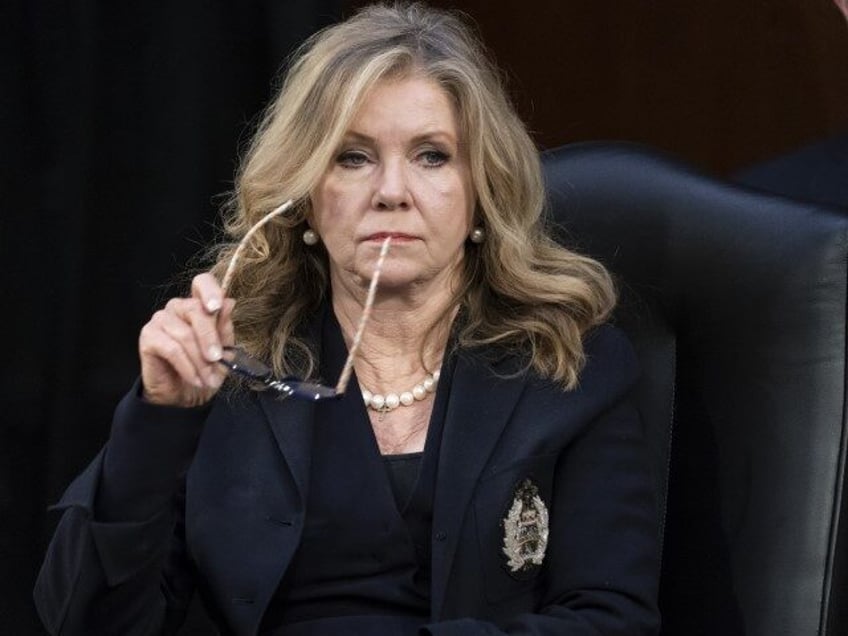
(401, 172)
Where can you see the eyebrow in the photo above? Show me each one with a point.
(436, 133)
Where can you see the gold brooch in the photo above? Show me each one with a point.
(525, 529)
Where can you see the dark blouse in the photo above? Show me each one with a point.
(364, 557)
(403, 475)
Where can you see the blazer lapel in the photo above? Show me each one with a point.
(291, 423)
(291, 419)
(480, 405)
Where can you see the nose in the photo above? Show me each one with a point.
(391, 190)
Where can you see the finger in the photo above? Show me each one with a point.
(156, 342)
(180, 321)
(204, 327)
(205, 287)
(226, 334)
(226, 329)
(184, 331)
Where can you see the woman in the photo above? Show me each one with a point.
(482, 474)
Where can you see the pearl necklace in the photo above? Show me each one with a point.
(390, 401)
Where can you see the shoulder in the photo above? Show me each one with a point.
(610, 372)
(611, 369)
(609, 355)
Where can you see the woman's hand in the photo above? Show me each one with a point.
(181, 345)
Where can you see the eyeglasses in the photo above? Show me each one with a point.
(245, 365)
(238, 361)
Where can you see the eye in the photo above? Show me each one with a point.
(433, 158)
(352, 159)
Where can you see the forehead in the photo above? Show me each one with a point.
(410, 105)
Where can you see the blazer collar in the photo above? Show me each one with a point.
(483, 397)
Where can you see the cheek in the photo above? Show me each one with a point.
(457, 199)
(458, 187)
(449, 189)
(327, 201)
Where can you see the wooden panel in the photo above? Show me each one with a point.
(721, 83)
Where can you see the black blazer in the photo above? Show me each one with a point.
(237, 523)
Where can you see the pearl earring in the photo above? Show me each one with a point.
(310, 237)
(478, 235)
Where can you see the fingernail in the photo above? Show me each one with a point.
(213, 380)
(213, 305)
(214, 353)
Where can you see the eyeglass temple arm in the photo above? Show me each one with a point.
(344, 378)
(231, 267)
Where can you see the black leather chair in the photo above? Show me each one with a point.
(817, 173)
(736, 303)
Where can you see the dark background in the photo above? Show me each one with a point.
(120, 123)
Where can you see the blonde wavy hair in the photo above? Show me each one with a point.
(520, 288)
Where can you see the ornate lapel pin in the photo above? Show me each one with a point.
(525, 530)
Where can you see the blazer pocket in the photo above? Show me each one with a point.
(511, 515)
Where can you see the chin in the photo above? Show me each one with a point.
(396, 282)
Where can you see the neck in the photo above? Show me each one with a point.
(405, 337)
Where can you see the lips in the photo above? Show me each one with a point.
(395, 236)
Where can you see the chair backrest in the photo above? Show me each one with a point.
(736, 304)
